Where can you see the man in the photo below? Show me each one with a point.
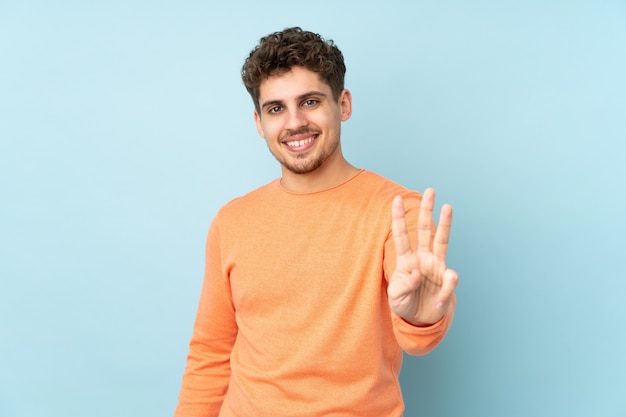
(315, 282)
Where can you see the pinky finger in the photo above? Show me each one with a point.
(449, 284)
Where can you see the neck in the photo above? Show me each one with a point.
(331, 173)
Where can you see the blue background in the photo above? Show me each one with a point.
(124, 127)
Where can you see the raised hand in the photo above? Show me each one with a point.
(421, 288)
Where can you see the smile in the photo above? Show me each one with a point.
(298, 143)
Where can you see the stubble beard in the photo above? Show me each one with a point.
(305, 163)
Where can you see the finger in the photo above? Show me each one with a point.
(425, 221)
(442, 235)
(449, 284)
(404, 284)
(399, 230)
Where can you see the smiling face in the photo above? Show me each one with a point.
(301, 122)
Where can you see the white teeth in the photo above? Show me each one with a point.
(300, 142)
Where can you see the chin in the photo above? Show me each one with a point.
(303, 168)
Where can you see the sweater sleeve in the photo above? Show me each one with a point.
(206, 376)
(413, 339)
(421, 340)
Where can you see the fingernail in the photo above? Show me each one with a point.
(439, 305)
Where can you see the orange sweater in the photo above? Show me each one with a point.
(293, 317)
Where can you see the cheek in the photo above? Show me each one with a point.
(268, 129)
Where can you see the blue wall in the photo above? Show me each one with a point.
(124, 127)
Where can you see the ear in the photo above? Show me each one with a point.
(259, 126)
(345, 104)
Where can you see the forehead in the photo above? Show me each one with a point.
(291, 84)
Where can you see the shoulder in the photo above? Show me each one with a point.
(386, 189)
(248, 203)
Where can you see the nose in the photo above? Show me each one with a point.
(296, 119)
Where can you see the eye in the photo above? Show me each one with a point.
(274, 109)
(310, 102)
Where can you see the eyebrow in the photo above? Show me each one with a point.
(299, 98)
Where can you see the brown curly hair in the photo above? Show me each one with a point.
(278, 52)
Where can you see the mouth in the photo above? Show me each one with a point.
(300, 143)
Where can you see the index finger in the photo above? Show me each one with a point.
(425, 221)
(400, 233)
(442, 235)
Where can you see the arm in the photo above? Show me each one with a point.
(207, 373)
(421, 287)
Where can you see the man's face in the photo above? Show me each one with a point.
(300, 120)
